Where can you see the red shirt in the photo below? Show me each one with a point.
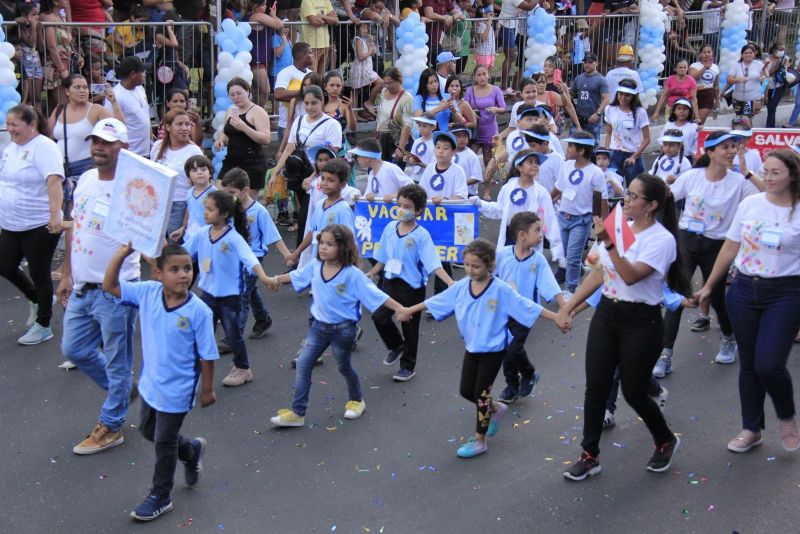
(87, 11)
(440, 7)
(679, 89)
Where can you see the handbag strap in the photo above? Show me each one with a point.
(297, 133)
(394, 107)
(66, 151)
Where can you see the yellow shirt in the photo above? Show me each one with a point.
(315, 37)
(131, 35)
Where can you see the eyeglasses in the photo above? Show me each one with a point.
(634, 197)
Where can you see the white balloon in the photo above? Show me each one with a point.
(225, 74)
(224, 59)
(236, 66)
(7, 77)
(7, 49)
(245, 57)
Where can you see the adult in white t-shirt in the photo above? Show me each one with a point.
(627, 129)
(288, 82)
(132, 100)
(627, 323)
(172, 151)
(747, 75)
(31, 173)
(706, 73)
(763, 242)
(91, 318)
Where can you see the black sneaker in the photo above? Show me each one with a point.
(152, 507)
(508, 395)
(392, 356)
(561, 275)
(283, 219)
(701, 324)
(662, 457)
(195, 465)
(527, 385)
(260, 328)
(586, 466)
(223, 348)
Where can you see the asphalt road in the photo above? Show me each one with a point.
(395, 469)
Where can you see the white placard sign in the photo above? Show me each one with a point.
(140, 203)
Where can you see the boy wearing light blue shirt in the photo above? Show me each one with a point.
(528, 272)
(199, 169)
(177, 348)
(407, 256)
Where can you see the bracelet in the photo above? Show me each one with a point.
(610, 246)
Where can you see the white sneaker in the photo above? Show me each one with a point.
(67, 365)
(727, 351)
(663, 366)
(36, 334)
(33, 311)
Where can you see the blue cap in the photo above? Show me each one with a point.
(461, 129)
(601, 150)
(542, 109)
(586, 141)
(365, 153)
(451, 137)
(534, 135)
(444, 57)
(540, 157)
(314, 150)
(529, 111)
(711, 143)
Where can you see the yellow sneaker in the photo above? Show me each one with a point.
(287, 417)
(354, 409)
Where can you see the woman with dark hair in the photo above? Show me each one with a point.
(178, 100)
(777, 63)
(462, 112)
(706, 74)
(336, 105)
(763, 244)
(746, 77)
(712, 192)
(245, 133)
(393, 107)
(263, 22)
(487, 101)
(429, 101)
(627, 323)
(61, 58)
(627, 131)
(31, 196)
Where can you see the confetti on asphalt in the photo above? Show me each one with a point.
(710, 508)
(619, 445)
(187, 523)
(333, 528)
(102, 477)
(770, 458)
(53, 459)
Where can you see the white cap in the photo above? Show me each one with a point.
(110, 130)
(425, 120)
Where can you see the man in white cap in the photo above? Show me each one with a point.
(445, 67)
(623, 70)
(92, 318)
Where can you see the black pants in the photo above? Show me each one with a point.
(163, 429)
(477, 376)
(622, 334)
(406, 295)
(611, 404)
(38, 246)
(516, 361)
(699, 251)
(774, 98)
(438, 284)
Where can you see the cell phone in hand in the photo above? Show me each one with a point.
(347, 92)
(597, 203)
(557, 76)
(192, 103)
(98, 88)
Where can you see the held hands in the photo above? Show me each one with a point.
(56, 224)
(564, 321)
(207, 398)
(403, 314)
(273, 283)
(291, 260)
(689, 303)
(703, 294)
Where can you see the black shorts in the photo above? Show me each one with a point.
(705, 98)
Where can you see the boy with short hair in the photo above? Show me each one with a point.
(199, 169)
(178, 347)
(384, 179)
(407, 256)
(442, 179)
(466, 158)
(422, 149)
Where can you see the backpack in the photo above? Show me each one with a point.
(297, 167)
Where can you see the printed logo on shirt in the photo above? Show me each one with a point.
(667, 164)
(492, 304)
(421, 149)
(518, 143)
(410, 242)
(341, 288)
(575, 177)
(707, 77)
(437, 182)
(374, 185)
(331, 218)
(183, 322)
(534, 267)
(251, 219)
(519, 196)
(224, 247)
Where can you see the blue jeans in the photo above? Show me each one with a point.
(796, 109)
(340, 338)
(765, 314)
(595, 129)
(176, 214)
(94, 317)
(574, 233)
(629, 172)
(251, 297)
(227, 310)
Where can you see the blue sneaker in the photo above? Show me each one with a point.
(495, 418)
(508, 395)
(527, 385)
(472, 448)
(392, 356)
(195, 465)
(152, 507)
(403, 375)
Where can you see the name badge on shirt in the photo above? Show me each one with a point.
(393, 266)
(771, 239)
(101, 207)
(628, 123)
(569, 194)
(205, 265)
(696, 227)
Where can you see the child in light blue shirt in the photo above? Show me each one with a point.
(199, 169)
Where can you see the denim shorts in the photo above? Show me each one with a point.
(507, 38)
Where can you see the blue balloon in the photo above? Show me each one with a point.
(246, 46)
(220, 90)
(228, 25)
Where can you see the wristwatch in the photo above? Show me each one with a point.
(610, 246)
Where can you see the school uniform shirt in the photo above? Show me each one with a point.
(469, 163)
(612, 177)
(337, 213)
(710, 206)
(769, 236)
(411, 257)
(654, 247)
(482, 319)
(91, 248)
(24, 201)
(665, 166)
(340, 298)
(577, 186)
(752, 158)
(449, 183)
(174, 340)
(263, 232)
(315, 194)
(513, 199)
(222, 262)
(195, 207)
(388, 180)
(175, 160)
(689, 131)
(672, 301)
(424, 150)
(515, 143)
(530, 276)
(626, 128)
(550, 170)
